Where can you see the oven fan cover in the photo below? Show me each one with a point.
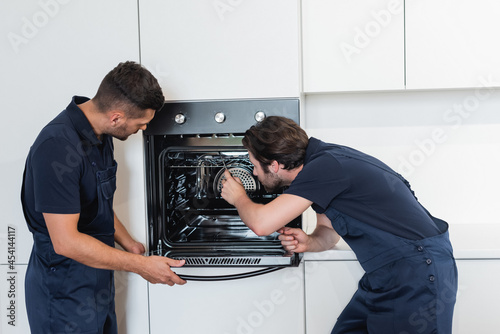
(241, 172)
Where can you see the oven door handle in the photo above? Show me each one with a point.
(230, 277)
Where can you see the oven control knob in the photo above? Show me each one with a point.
(220, 117)
(180, 119)
(259, 116)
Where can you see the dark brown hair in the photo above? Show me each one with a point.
(277, 138)
(129, 87)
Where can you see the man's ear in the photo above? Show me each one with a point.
(275, 166)
(116, 117)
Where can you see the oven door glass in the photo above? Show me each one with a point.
(197, 224)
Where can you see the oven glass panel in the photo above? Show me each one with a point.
(193, 209)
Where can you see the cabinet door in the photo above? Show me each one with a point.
(478, 295)
(452, 43)
(222, 49)
(329, 287)
(131, 303)
(351, 45)
(52, 51)
(55, 49)
(266, 304)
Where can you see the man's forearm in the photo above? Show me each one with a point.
(323, 238)
(94, 253)
(265, 219)
(83, 248)
(249, 214)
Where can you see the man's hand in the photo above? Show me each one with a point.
(294, 240)
(232, 188)
(157, 270)
(324, 237)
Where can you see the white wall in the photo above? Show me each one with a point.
(445, 142)
(51, 50)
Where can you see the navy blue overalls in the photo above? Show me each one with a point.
(409, 286)
(65, 296)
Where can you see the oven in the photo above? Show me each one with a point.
(188, 146)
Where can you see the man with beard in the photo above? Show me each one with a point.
(410, 282)
(67, 197)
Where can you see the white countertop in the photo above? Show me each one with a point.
(469, 241)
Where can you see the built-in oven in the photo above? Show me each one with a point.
(188, 146)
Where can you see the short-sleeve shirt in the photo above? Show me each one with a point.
(60, 168)
(361, 187)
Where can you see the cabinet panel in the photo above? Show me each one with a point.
(452, 43)
(478, 297)
(55, 49)
(222, 49)
(351, 45)
(329, 287)
(267, 304)
(131, 303)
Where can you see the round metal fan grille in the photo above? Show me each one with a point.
(243, 174)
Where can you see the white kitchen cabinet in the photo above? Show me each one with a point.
(329, 286)
(266, 304)
(131, 303)
(352, 45)
(52, 50)
(222, 49)
(478, 297)
(452, 44)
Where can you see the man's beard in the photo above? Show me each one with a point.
(272, 183)
(120, 133)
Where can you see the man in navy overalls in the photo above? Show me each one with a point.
(410, 283)
(67, 197)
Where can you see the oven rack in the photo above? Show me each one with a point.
(210, 163)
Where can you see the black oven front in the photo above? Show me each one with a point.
(188, 146)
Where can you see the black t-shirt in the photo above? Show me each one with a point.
(362, 187)
(59, 176)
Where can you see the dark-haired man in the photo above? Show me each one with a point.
(410, 282)
(67, 198)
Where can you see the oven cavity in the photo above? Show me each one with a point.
(193, 209)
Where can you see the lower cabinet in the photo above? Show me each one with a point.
(329, 285)
(268, 304)
(131, 303)
(478, 298)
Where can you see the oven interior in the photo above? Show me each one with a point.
(193, 210)
(194, 216)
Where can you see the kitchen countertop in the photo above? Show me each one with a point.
(469, 241)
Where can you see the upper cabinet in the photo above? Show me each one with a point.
(352, 45)
(452, 43)
(222, 49)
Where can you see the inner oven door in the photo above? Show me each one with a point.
(187, 217)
